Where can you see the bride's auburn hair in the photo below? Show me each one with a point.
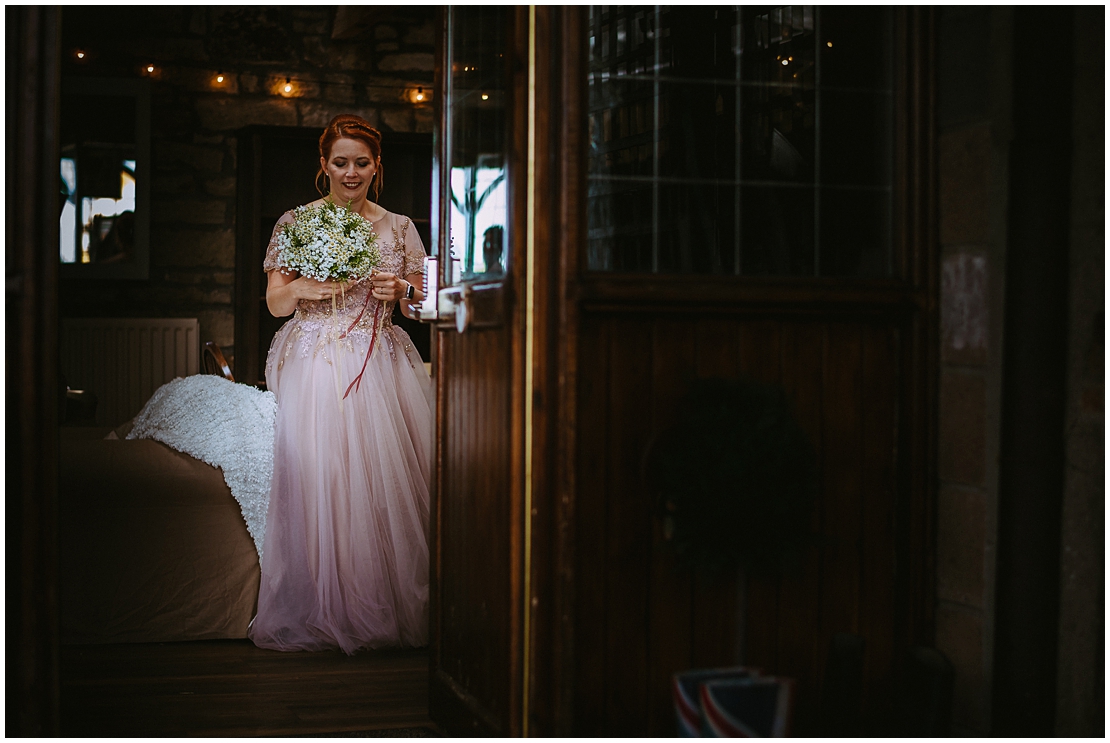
(349, 126)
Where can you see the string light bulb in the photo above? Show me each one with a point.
(419, 94)
(785, 62)
(220, 77)
(288, 86)
(150, 68)
(485, 96)
(828, 44)
(80, 54)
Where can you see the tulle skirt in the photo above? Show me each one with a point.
(345, 560)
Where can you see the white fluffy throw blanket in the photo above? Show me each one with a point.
(227, 425)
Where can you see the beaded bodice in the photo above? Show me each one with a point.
(402, 254)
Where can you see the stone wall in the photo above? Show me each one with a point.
(973, 139)
(364, 60)
(1080, 679)
(975, 52)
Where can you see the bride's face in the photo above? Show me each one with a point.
(350, 169)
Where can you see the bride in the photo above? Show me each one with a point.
(346, 559)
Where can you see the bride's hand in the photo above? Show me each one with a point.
(387, 287)
(314, 290)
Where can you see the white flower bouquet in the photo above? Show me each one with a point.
(328, 242)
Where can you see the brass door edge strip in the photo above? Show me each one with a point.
(529, 381)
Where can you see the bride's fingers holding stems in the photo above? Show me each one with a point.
(387, 286)
(316, 290)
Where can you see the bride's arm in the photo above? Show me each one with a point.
(417, 280)
(283, 291)
(390, 288)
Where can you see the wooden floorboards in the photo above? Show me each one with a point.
(231, 688)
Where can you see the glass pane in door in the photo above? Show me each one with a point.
(740, 140)
(476, 141)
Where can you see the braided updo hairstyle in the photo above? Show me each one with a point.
(349, 126)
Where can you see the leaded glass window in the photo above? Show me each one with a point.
(741, 140)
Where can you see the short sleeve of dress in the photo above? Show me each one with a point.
(414, 249)
(270, 262)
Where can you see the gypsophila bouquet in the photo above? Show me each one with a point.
(328, 242)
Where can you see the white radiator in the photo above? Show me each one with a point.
(123, 360)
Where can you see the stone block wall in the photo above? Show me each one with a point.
(975, 53)
(367, 60)
(1080, 676)
(973, 135)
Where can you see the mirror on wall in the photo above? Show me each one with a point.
(104, 178)
(476, 91)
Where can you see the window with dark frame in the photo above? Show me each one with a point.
(741, 140)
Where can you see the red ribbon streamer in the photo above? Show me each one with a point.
(357, 381)
(360, 314)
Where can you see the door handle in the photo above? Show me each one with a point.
(451, 307)
(472, 305)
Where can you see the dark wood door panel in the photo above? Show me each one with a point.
(639, 617)
(610, 615)
(627, 519)
(472, 602)
(590, 530)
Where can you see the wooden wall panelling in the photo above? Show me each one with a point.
(591, 563)
(855, 358)
(879, 455)
(917, 481)
(671, 595)
(472, 606)
(760, 350)
(716, 618)
(800, 651)
(840, 481)
(842, 377)
(628, 516)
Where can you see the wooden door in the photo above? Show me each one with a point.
(558, 608)
(477, 505)
(751, 203)
(501, 623)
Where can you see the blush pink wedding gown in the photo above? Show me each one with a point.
(345, 558)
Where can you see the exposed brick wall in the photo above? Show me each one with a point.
(385, 54)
